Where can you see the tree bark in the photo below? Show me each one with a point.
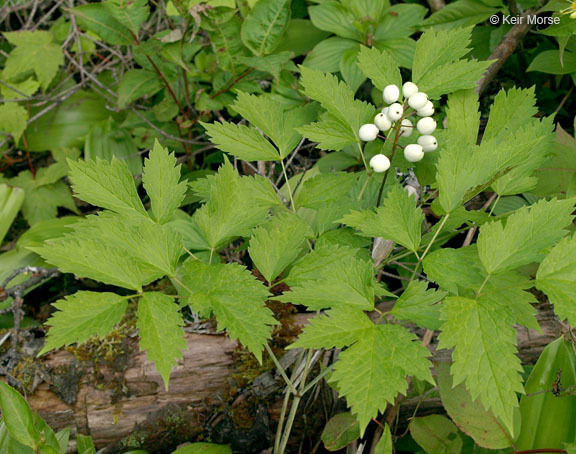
(124, 404)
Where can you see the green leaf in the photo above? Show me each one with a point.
(528, 232)
(349, 284)
(460, 14)
(318, 191)
(267, 114)
(273, 64)
(11, 200)
(95, 17)
(337, 328)
(419, 305)
(484, 342)
(331, 16)
(341, 430)
(137, 83)
(204, 448)
(549, 62)
(435, 49)
(235, 206)
(130, 13)
(63, 436)
(556, 277)
(106, 184)
(244, 142)
(327, 54)
(351, 72)
(264, 26)
(380, 67)
(161, 180)
(86, 254)
(384, 445)
(330, 135)
(300, 37)
(13, 120)
(470, 415)
(85, 444)
(227, 46)
(236, 298)
(372, 372)
(17, 417)
(459, 75)
(399, 219)
(436, 434)
(463, 116)
(400, 21)
(83, 315)
(35, 51)
(277, 243)
(160, 329)
(337, 98)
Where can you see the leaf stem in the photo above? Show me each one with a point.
(288, 185)
(280, 369)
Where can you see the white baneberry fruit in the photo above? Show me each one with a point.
(395, 112)
(409, 89)
(368, 132)
(418, 100)
(428, 143)
(413, 152)
(391, 94)
(380, 163)
(426, 125)
(385, 110)
(406, 128)
(382, 122)
(426, 111)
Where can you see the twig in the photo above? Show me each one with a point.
(506, 48)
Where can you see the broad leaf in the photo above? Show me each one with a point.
(137, 83)
(334, 17)
(264, 26)
(337, 328)
(528, 232)
(106, 184)
(161, 180)
(130, 13)
(556, 277)
(436, 434)
(341, 430)
(13, 119)
(419, 305)
(399, 219)
(96, 17)
(459, 75)
(160, 329)
(35, 51)
(17, 417)
(83, 315)
(470, 415)
(11, 199)
(236, 298)
(380, 67)
(277, 243)
(484, 342)
(373, 371)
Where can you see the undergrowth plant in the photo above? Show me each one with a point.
(321, 234)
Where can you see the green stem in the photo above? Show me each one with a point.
(280, 369)
(362, 156)
(288, 185)
(444, 219)
(494, 205)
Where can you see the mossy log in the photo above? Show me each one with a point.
(123, 403)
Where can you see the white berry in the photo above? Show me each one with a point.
(426, 111)
(426, 125)
(380, 163)
(391, 94)
(395, 112)
(385, 110)
(413, 152)
(418, 100)
(406, 128)
(368, 132)
(428, 143)
(408, 89)
(382, 122)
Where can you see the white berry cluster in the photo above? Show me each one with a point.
(385, 120)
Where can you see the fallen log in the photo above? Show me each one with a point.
(122, 403)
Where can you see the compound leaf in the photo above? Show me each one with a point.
(160, 329)
(419, 304)
(380, 67)
(83, 315)
(161, 180)
(264, 26)
(236, 298)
